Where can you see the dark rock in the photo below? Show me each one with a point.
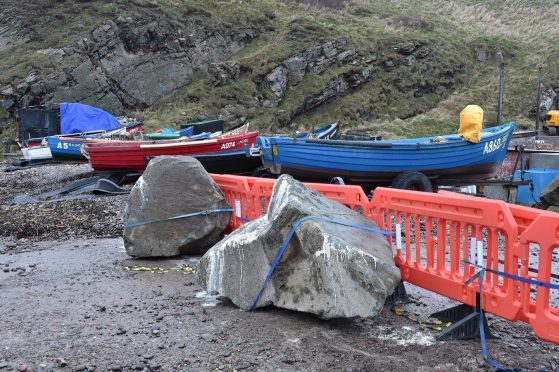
(221, 73)
(480, 54)
(327, 269)
(389, 64)
(347, 56)
(329, 49)
(7, 91)
(296, 67)
(407, 47)
(336, 88)
(174, 186)
(8, 103)
(38, 88)
(61, 362)
(409, 60)
(229, 116)
(21, 89)
(268, 104)
(422, 52)
(370, 58)
(277, 80)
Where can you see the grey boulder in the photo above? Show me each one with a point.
(327, 269)
(173, 186)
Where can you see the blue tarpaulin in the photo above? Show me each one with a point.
(78, 118)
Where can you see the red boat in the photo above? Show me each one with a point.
(221, 154)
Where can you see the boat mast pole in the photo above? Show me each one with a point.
(538, 98)
(501, 86)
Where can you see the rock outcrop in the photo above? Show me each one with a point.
(173, 186)
(129, 64)
(327, 269)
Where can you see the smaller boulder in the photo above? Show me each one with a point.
(409, 60)
(296, 67)
(173, 186)
(277, 80)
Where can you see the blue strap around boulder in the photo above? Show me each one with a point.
(200, 213)
(288, 239)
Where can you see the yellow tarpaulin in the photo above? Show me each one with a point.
(471, 123)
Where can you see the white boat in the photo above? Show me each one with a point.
(36, 153)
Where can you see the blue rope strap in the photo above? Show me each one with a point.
(200, 213)
(481, 274)
(288, 239)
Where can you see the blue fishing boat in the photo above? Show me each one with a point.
(380, 162)
(66, 147)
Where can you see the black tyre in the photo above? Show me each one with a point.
(552, 131)
(412, 181)
(261, 172)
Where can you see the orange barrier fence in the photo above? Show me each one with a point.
(436, 236)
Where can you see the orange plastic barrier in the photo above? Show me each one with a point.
(433, 236)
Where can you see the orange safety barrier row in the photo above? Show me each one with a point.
(433, 236)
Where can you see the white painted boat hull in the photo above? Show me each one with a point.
(37, 153)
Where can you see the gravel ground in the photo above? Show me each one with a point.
(68, 302)
(99, 217)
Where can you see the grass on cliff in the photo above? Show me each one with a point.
(525, 30)
(453, 27)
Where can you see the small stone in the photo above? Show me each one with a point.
(22, 367)
(115, 367)
(5, 269)
(227, 354)
(4, 364)
(102, 308)
(409, 60)
(147, 356)
(120, 331)
(61, 362)
(32, 265)
(159, 318)
(156, 332)
(81, 367)
(182, 346)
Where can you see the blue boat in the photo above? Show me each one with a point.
(66, 147)
(380, 162)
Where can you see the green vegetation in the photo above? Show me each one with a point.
(523, 30)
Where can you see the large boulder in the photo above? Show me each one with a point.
(173, 186)
(327, 269)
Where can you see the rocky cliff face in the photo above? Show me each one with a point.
(271, 64)
(126, 64)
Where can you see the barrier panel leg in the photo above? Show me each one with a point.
(399, 297)
(465, 322)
